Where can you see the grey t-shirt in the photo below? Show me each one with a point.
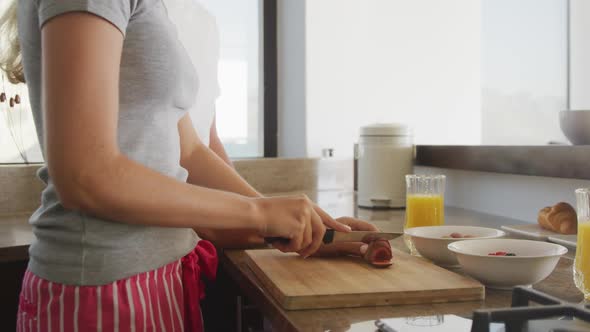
(157, 85)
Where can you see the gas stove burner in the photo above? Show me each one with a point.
(553, 315)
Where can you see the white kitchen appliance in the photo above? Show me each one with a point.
(384, 154)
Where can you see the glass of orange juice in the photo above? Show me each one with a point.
(582, 260)
(425, 205)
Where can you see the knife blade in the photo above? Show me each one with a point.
(333, 236)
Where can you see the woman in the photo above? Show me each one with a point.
(128, 179)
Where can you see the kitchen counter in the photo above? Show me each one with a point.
(16, 235)
(338, 203)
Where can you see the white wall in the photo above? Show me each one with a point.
(514, 196)
(579, 54)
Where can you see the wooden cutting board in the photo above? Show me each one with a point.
(338, 282)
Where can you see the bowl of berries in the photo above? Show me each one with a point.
(506, 263)
(431, 241)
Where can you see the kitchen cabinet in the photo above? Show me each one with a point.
(11, 274)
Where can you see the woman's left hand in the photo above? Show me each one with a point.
(348, 248)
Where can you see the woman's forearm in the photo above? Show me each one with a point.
(232, 239)
(207, 169)
(123, 190)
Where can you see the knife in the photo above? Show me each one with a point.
(333, 236)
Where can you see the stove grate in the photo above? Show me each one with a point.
(517, 316)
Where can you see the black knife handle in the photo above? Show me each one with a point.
(328, 238)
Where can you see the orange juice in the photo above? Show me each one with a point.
(424, 210)
(582, 263)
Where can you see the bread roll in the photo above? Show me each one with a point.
(560, 218)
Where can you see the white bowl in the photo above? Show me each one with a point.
(575, 125)
(534, 261)
(431, 244)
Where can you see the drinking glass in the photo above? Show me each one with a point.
(424, 203)
(582, 260)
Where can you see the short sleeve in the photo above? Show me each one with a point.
(117, 12)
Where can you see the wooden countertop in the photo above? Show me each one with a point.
(559, 283)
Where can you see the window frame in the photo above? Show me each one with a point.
(270, 78)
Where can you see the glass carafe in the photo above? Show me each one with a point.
(582, 261)
(424, 203)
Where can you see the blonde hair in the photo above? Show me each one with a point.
(10, 54)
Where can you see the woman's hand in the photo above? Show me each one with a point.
(348, 248)
(298, 219)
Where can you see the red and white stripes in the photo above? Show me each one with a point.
(151, 301)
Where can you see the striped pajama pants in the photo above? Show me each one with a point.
(149, 301)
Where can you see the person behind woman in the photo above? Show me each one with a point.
(128, 181)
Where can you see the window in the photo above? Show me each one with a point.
(243, 68)
(18, 138)
(240, 115)
(524, 71)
